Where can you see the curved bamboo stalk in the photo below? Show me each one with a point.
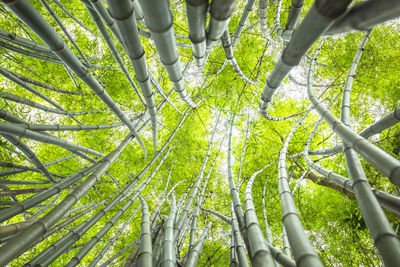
(110, 44)
(318, 18)
(382, 161)
(38, 198)
(237, 205)
(280, 257)
(18, 81)
(64, 29)
(239, 28)
(196, 11)
(303, 251)
(385, 239)
(377, 127)
(389, 202)
(122, 12)
(260, 254)
(194, 254)
(33, 104)
(58, 127)
(74, 18)
(365, 15)
(30, 155)
(33, 19)
(160, 24)
(121, 229)
(167, 257)
(44, 85)
(10, 129)
(228, 48)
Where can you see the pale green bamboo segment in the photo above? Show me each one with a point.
(239, 245)
(80, 23)
(377, 127)
(122, 13)
(44, 85)
(159, 21)
(167, 257)
(317, 19)
(200, 200)
(234, 262)
(365, 15)
(33, 104)
(303, 251)
(385, 239)
(24, 239)
(228, 48)
(58, 127)
(234, 192)
(30, 155)
(8, 36)
(260, 254)
(30, 16)
(27, 87)
(221, 12)
(195, 253)
(12, 129)
(196, 11)
(107, 38)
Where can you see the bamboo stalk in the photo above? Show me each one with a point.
(194, 254)
(260, 254)
(317, 19)
(122, 12)
(167, 257)
(160, 24)
(196, 11)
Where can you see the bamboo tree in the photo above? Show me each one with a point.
(364, 16)
(122, 13)
(160, 24)
(221, 12)
(196, 11)
(167, 257)
(194, 254)
(259, 252)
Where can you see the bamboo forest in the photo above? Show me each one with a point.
(199, 133)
